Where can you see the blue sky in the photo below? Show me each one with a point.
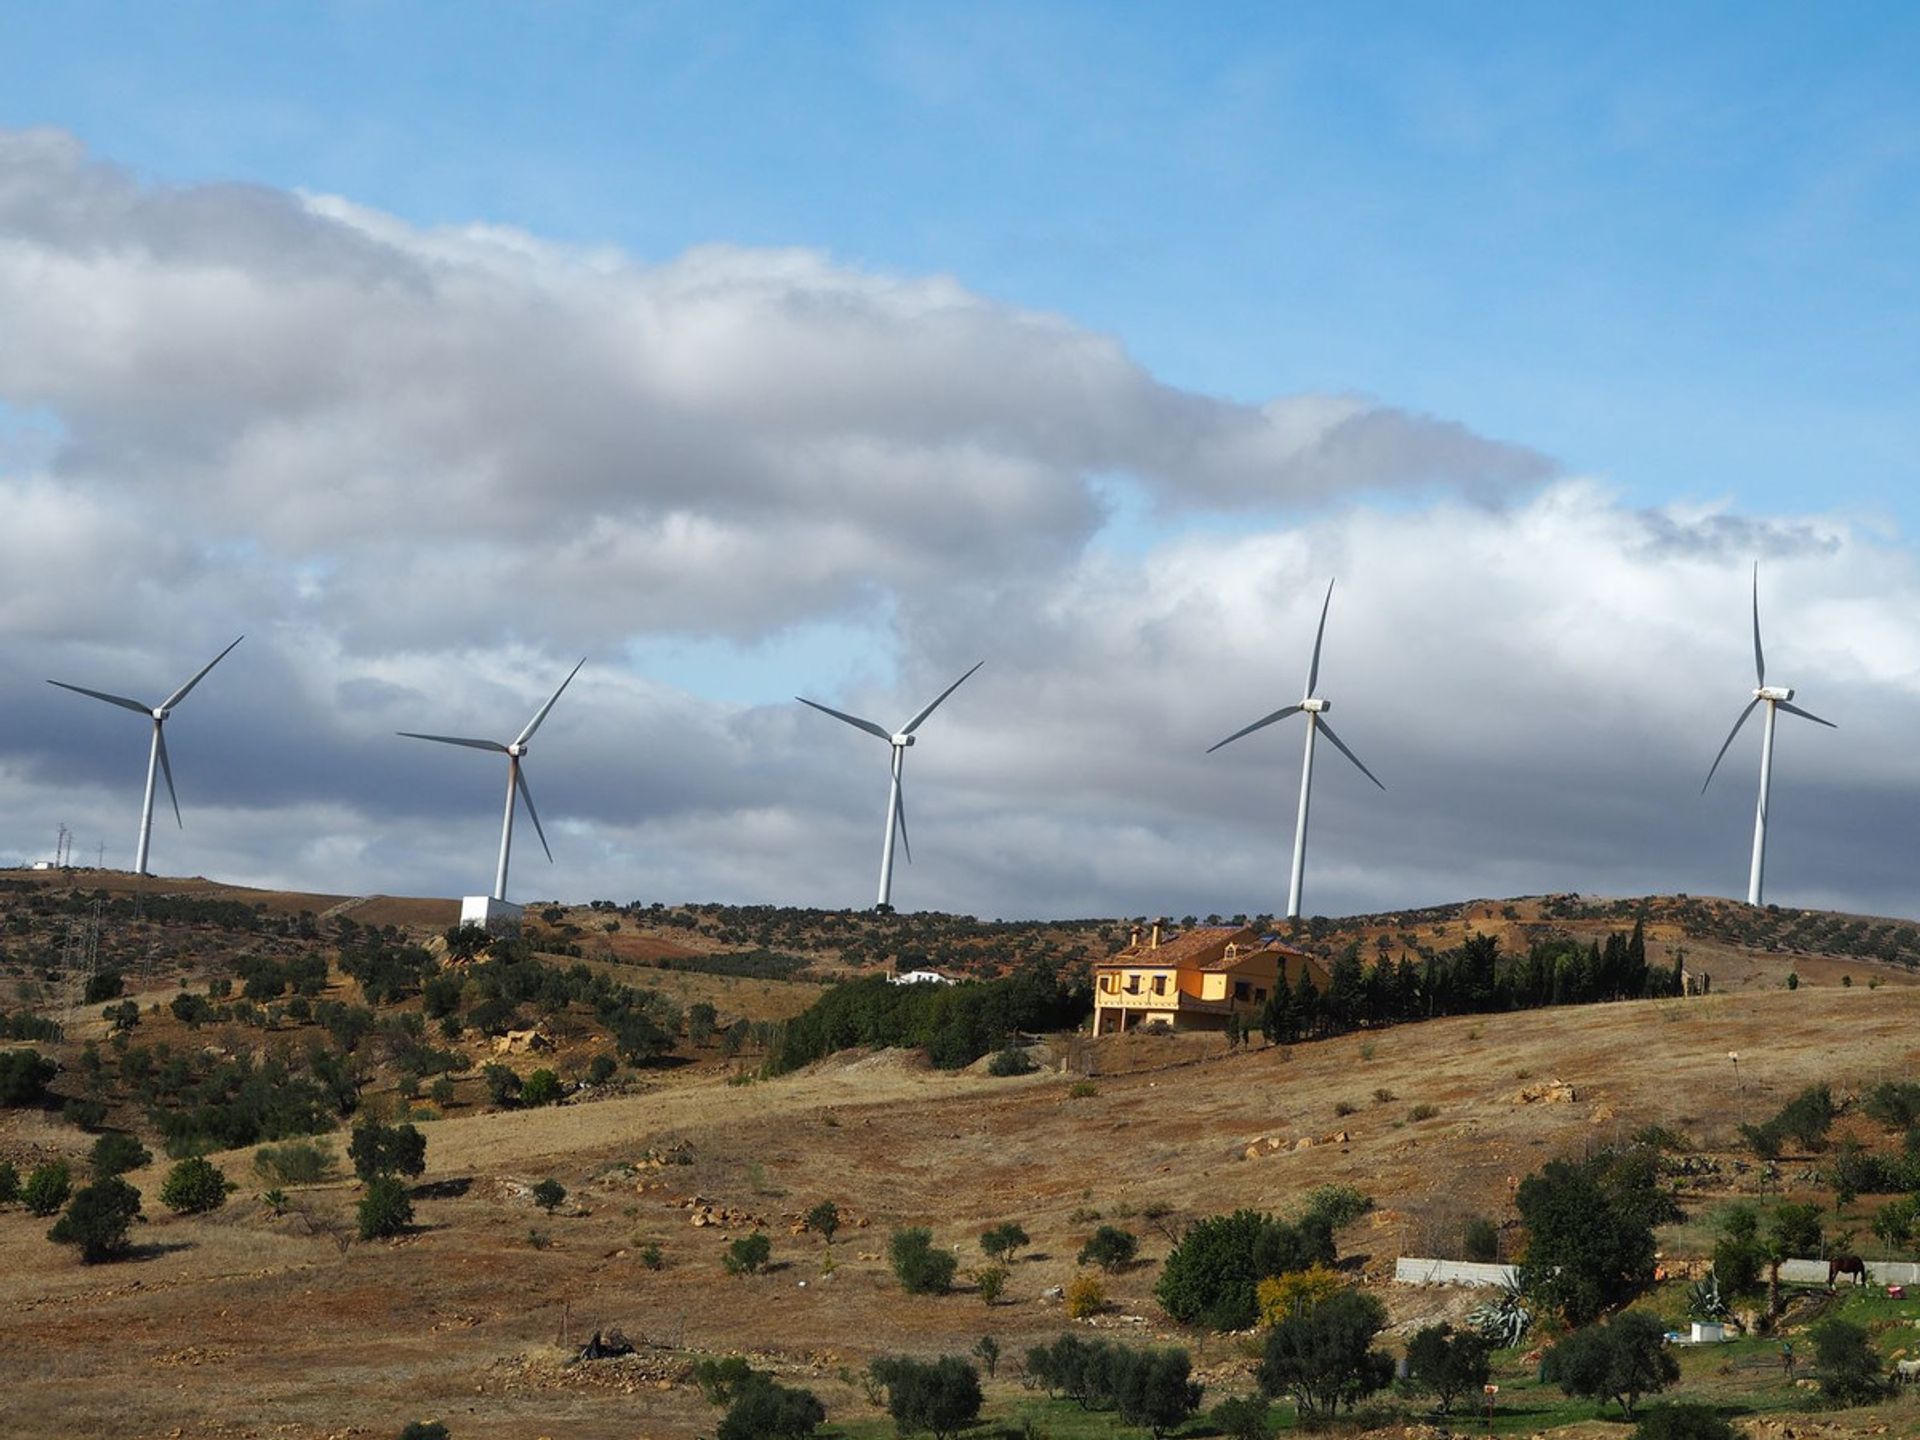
(1118, 329)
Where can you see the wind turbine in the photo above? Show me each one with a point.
(157, 752)
(515, 751)
(1777, 697)
(896, 807)
(1315, 710)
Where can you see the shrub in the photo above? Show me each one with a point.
(767, 1411)
(920, 1269)
(1011, 1061)
(1847, 1364)
(1242, 1418)
(721, 1380)
(425, 1430)
(378, 1149)
(1621, 1360)
(47, 1188)
(1111, 1248)
(116, 1153)
(549, 1194)
(988, 1349)
(9, 1183)
(385, 1209)
(24, 1076)
(1082, 1090)
(1796, 1229)
(941, 1397)
(87, 1114)
(98, 1220)
(1085, 1296)
(1684, 1420)
(1154, 1389)
(1339, 1205)
(651, 1257)
(1003, 1240)
(297, 1162)
(1210, 1276)
(503, 1083)
(542, 1087)
(990, 1281)
(602, 1069)
(749, 1254)
(1279, 1296)
(194, 1187)
(1323, 1357)
(823, 1220)
(1423, 1111)
(1481, 1240)
(1447, 1362)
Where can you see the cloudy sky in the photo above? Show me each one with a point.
(829, 350)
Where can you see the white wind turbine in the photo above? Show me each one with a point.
(896, 807)
(157, 751)
(1315, 710)
(1777, 697)
(515, 751)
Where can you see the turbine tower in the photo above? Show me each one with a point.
(157, 751)
(482, 909)
(1776, 697)
(1315, 710)
(896, 806)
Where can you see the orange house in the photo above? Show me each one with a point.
(1194, 979)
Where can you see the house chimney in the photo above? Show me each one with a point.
(1158, 921)
(1133, 938)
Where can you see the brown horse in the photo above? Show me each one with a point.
(1846, 1265)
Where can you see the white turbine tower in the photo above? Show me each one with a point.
(481, 909)
(896, 806)
(1315, 710)
(157, 751)
(1776, 697)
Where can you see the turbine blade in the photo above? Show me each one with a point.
(1313, 670)
(914, 724)
(900, 814)
(119, 700)
(1341, 746)
(455, 740)
(853, 720)
(166, 769)
(1759, 660)
(1751, 704)
(181, 694)
(534, 724)
(1257, 725)
(520, 779)
(1805, 714)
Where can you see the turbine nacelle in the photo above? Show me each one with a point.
(1316, 707)
(1778, 693)
(900, 742)
(161, 714)
(516, 750)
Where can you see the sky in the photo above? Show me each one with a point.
(757, 351)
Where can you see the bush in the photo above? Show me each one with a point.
(385, 1209)
(1111, 1248)
(920, 1269)
(549, 1194)
(426, 1430)
(1686, 1420)
(503, 1083)
(1211, 1274)
(1620, 1360)
(1279, 1296)
(98, 1220)
(1011, 1061)
(990, 1281)
(9, 1183)
(1154, 1389)
(542, 1087)
(24, 1076)
(193, 1011)
(1339, 1205)
(297, 1162)
(749, 1254)
(1847, 1364)
(47, 1188)
(823, 1220)
(1242, 1418)
(602, 1069)
(1481, 1240)
(1003, 1240)
(766, 1411)
(1324, 1357)
(941, 1397)
(116, 1153)
(87, 1114)
(721, 1380)
(1085, 1296)
(194, 1187)
(1448, 1363)
(377, 1150)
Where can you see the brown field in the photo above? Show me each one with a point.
(242, 1324)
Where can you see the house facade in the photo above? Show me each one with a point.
(1194, 979)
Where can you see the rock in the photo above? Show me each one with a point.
(1551, 1092)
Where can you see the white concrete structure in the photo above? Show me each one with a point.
(1315, 711)
(494, 916)
(919, 977)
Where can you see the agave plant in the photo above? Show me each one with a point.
(1704, 1300)
(1502, 1322)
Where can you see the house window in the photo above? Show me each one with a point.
(1241, 990)
(1110, 983)
(1159, 984)
(1260, 993)
(1133, 984)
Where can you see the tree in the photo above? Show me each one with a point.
(990, 1281)
(1738, 1254)
(385, 1209)
(823, 1219)
(115, 1153)
(1155, 1389)
(549, 1194)
(988, 1349)
(940, 1396)
(47, 1188)
(1279, 1296)
(749, 1254)
(1242, 1418)
(194, 1187)
(1211, 1274)
(1003, 1240)
(503, 1083)
(1590, 1231)
(542, 1087)
(378, 1150)
(920, 1269)
(1324, 1356)
(1621, 1360)
(1685, 1420)
(193, 1011)
(763, 1410)
(1796, 1229)
(98, 1220)
(601, 1069)
(9, 1183)
(24, 1075)
(1846, 1363)
(1111, 1248)
(1448, 1362)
